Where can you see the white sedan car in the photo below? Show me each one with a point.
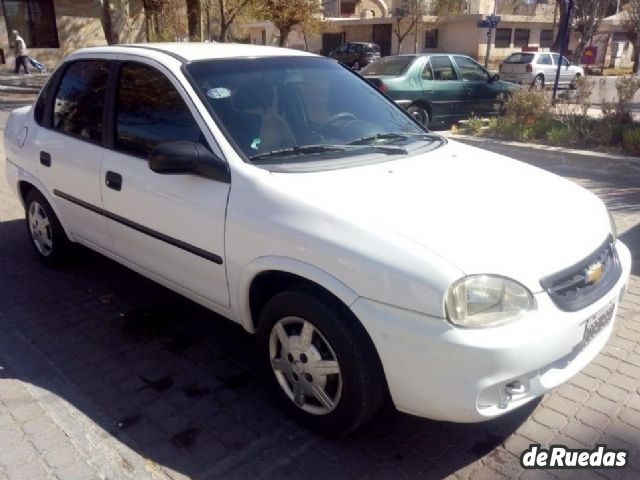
(280, 190)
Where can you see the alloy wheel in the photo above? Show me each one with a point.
(40, 229)
(305, 365)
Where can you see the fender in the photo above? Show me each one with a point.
(21, 175)
(287, 265)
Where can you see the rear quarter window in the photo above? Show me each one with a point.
(520, 58)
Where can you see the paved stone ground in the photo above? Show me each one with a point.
(104, 374)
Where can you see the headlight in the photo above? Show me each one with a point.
(480, 301)
(614, 229)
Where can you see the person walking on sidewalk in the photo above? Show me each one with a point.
(21, 53)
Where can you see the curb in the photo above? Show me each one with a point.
(568, 158)
(12, 89)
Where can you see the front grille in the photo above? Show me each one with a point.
(571, 289)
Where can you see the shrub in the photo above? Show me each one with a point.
(473, 125)
(560, 135)
(631, 140)
(526, 105)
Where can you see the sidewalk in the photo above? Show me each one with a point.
(21, 83)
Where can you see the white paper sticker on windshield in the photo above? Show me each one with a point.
(219, 92)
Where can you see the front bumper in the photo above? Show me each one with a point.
(438, 371)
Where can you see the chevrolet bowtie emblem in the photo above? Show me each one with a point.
(594, 273)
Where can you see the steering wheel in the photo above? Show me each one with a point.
(340, 116)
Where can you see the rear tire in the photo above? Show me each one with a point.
(538, 82)
(46, 234)
(420, 113)
(319, 362)
(574, 83)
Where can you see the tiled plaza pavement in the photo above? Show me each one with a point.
(104, 374)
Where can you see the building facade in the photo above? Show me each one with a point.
(55, 28)
(524, 26)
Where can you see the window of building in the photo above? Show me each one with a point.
(149, 111)
(443, 68)
(79, 102)
(546, 38)
(503, 38)
(521, 37)
(347, 8)
(470, 71)
(35, 20)
(431, 38)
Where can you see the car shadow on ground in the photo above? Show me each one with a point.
(178, 384)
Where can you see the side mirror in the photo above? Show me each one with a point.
(188, 157)
(494, 78)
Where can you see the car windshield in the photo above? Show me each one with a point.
(304, 109)
(520, 58)
(388, 66)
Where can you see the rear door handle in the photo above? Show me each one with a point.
(113, 180)
(45, 159)
(429, 91)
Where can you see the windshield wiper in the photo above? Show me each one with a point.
(391, 136)
(311, 149)
(290, 151)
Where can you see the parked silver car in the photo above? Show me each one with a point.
(539, 69)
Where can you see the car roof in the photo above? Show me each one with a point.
(192, 51)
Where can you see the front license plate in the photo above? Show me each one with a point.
(597, 323)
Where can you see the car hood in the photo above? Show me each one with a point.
(483, 212)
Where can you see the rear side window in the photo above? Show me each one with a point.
(544, 59)
(443, 69)
(79, 102)
(149, 111)
(520, 58)
(388, 66)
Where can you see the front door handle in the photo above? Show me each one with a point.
(429, 91)
(469, 91)
(45, 159)
(113, 180)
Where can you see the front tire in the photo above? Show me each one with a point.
(45, 232)
(319, 361)
(420, 114)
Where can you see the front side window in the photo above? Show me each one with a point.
(149, 111)
(79, 102)
(288, 110)
(443, 69)
(35, 20)
(470, 70)
(556, 57)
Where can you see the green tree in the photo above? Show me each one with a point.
(449, 7)
(287, 14)
(409, 14)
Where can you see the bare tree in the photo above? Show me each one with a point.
(448, 7)
(107, 22)
(631, 24)
(410, 14)
(227, 12)
(194, 20)
(287, 14)
(587, 15)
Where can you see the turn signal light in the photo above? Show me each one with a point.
(382, 87)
